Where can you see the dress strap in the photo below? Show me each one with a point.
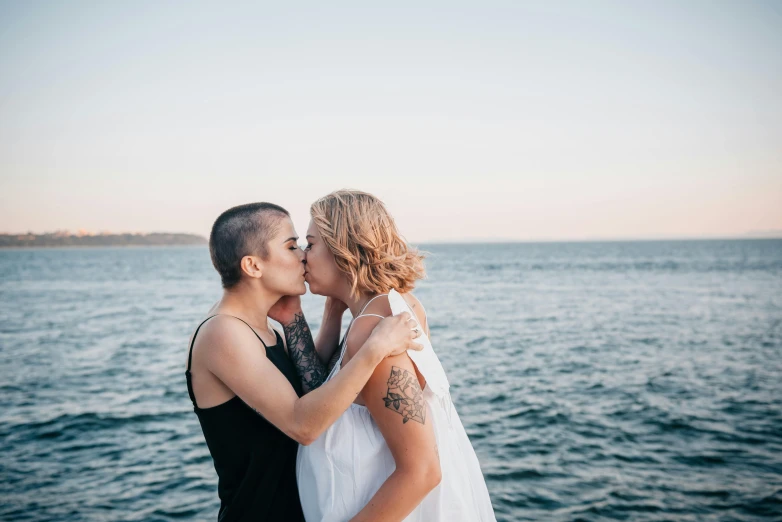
(344, 344)
(369, 315)
(362, 314)
(365, 306)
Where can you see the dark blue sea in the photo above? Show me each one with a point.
(597, 381)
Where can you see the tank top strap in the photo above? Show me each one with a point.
(188, 376)
(192, 342)
(253, 329)
(277, 337)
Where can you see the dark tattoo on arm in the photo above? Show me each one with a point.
(301, 350)
(405, 396)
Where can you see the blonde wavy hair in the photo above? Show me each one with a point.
(366, 244)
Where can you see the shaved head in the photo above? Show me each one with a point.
(242, 231)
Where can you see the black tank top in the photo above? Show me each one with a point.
(255, 461)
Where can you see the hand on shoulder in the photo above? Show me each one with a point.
(391, 336)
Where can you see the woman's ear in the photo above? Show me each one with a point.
(252, 266)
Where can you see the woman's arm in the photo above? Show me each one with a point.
(395, 400)
(308, 356)
(230, 352)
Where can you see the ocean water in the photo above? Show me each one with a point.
(597, 381)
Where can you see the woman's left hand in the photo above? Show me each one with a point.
(285, 310)
(334, 305)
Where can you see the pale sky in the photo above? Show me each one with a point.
(481, 120)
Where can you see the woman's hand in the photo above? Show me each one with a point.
(284, 311)
(395, 335)
(334, 305)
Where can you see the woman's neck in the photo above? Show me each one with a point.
(356, 305)
(249, 304)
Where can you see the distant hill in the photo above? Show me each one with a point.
(60, 239)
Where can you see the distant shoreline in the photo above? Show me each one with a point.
(65, 240)
(95, 247)
(204, 243)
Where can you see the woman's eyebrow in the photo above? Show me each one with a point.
(291, 239)
(309, 236)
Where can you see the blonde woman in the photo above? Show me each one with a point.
(399, 452)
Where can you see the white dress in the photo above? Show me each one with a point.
(340, 471)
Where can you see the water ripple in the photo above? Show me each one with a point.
(621, 381)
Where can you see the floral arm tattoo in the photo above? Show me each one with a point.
(405, 396)
(301, 350)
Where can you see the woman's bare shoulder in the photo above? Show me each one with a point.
(416, 305)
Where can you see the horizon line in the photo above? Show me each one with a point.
(771, 234)
(595, 240)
